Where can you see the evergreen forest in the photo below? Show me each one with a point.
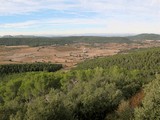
(119, 87)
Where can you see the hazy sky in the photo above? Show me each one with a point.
(68, 17)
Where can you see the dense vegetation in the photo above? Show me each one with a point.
(19, 68)
(39, 41)
(97, 92)
(81, 94)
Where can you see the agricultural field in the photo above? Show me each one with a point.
(68, 54)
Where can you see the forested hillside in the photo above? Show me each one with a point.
(145, 37)
(42, 41)
(146, 60)
(39, 41)
(100, 89)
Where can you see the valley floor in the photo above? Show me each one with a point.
(68, 55)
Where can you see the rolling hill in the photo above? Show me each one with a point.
(145, 37)
(38, 41)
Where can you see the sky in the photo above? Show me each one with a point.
(77, 17)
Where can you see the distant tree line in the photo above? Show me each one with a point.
(28, 67)
(42, 41)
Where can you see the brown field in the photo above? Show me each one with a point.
(68, 55)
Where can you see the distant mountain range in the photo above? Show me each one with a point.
(18, 36)
(74, 35)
